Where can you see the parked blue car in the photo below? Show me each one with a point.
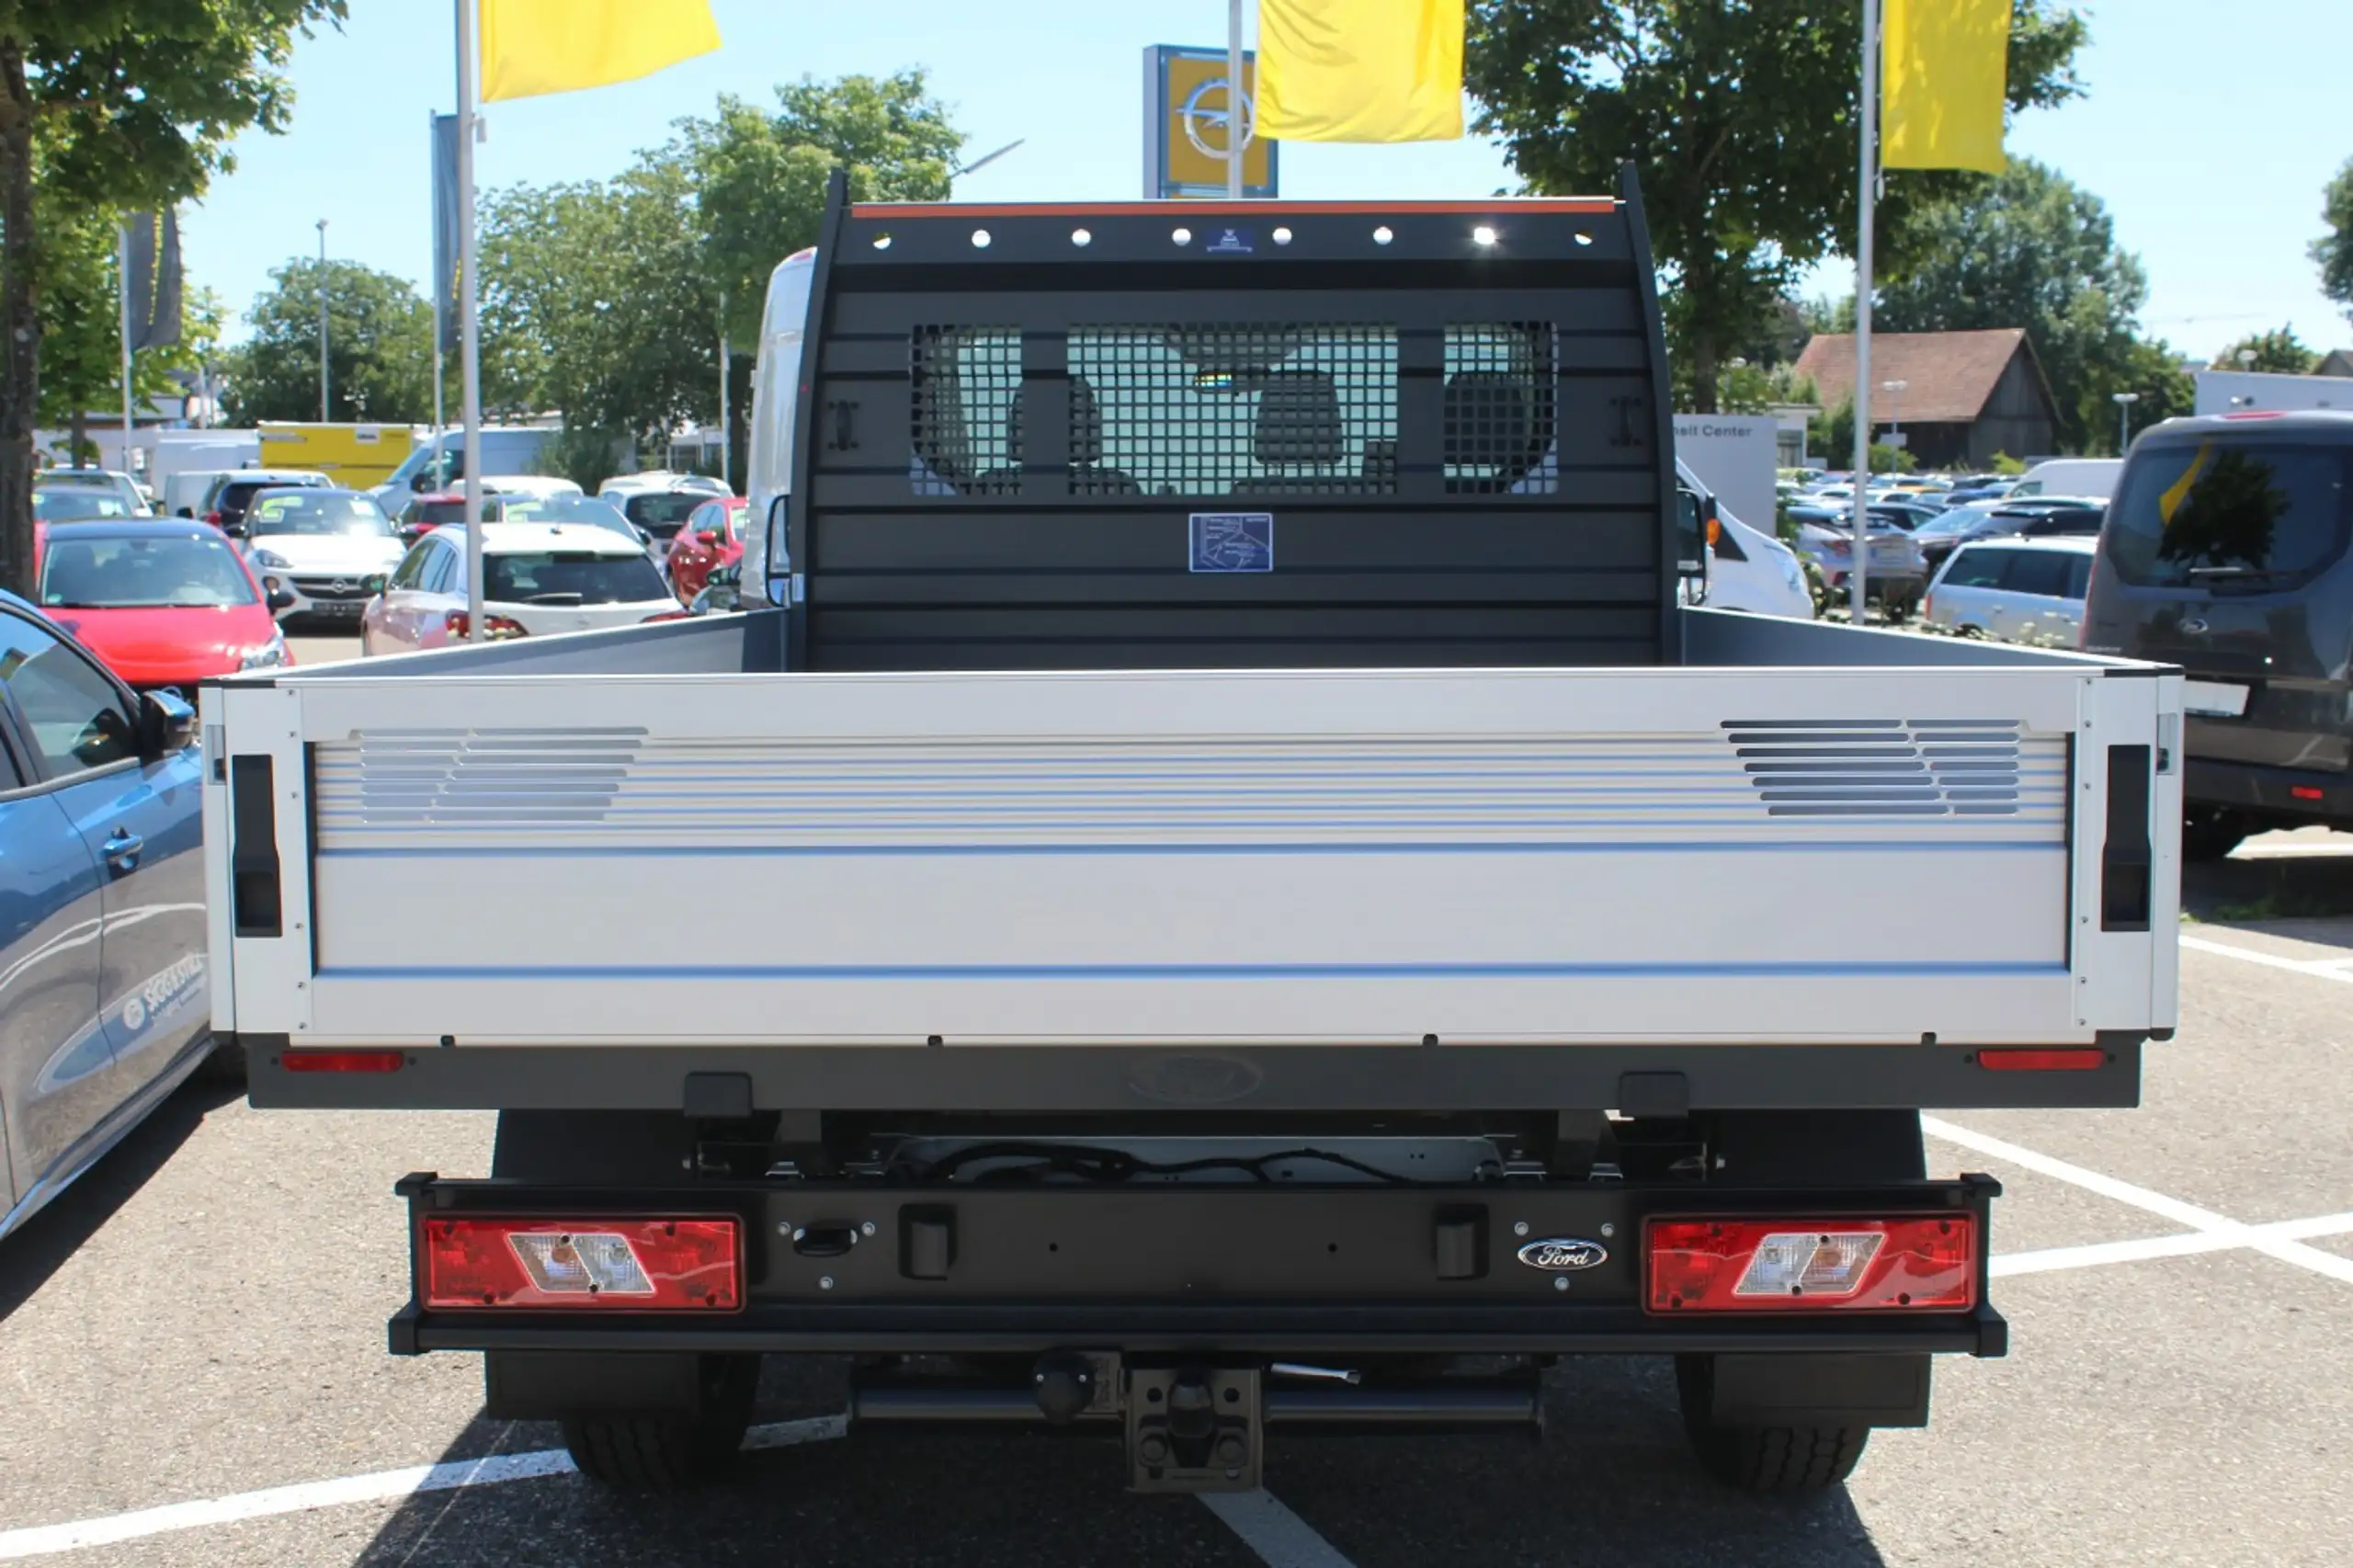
(104, 1007)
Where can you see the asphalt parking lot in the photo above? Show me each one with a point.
(192, 1340)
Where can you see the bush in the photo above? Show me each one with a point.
(585, 455)
(2005, 463)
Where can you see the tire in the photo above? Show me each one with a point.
(633, 1450)
(1769, 1460)
(669, 1450)
(1804, 1148)
(2210, 832)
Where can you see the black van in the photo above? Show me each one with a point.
(2224, 552)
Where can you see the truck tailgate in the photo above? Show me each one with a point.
(1859, 855)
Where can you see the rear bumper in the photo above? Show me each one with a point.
(1239, 1269)
(1144, 1081)
(2270, 791)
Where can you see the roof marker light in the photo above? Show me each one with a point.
(980, 239)
(882, 242)
(1584, 239)
(1081, 237)
(1282, 236)
(1182, 236)
(1383, 234)
(1485, 234)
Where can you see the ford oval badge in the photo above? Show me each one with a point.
(1562, 1255)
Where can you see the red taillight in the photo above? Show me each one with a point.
(2306, 792)
(343, 1061)
(1783, 1266)
(212, 518)
(2030, 1058)
(670, 615)
(496, 629)
(618, 1264)
(1929, 606)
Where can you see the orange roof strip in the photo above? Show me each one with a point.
(1497, 206)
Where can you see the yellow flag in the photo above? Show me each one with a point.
(1360, 69)
(1947, 64)
(531, 47)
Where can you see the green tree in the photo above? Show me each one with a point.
(2160, 389)
(379, 348)
(133, 104)
(761, 178)
(1741, 121)
(2333, 252)
(602, 300)
(2028, 249)
(2278, 352)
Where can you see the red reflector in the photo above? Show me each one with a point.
(343, 1061)
(2306, 792)
(672, 615)
(1785, 1265)
(2027, 1060)
(642, 1266)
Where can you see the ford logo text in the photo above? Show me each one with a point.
(1559, 1254)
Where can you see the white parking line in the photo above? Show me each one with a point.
(1279, 1537)
(2323, 969)
(2231, 1233)
(381, 1486)
(2188, 1244)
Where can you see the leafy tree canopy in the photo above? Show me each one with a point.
(2278, 351)
(1741, 120)
(379, 348)
(2333, 252)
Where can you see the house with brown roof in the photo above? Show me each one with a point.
(1958, 397)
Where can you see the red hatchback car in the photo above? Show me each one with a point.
(713, 537)
(163, 601)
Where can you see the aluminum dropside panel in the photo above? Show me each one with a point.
(1481, 856)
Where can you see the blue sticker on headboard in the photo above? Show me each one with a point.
(1233, 541)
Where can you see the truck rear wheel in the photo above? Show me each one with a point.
(1823, 1148)
(665, 1450)
(1770, 1460)
(665, 1443)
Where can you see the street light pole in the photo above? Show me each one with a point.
(2124, 402)
(322, 321)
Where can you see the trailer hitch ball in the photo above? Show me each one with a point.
(1065, 1381)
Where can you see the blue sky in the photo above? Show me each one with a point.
(2209, 131)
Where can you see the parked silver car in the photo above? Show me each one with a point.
(1896, 575)
(2015, 590)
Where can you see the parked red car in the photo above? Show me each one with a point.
(712, 537)
(163, 601)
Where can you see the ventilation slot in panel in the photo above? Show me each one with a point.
(1881, 767)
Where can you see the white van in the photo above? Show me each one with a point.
(1749, 570)
(776, 389)
(2015, 590)
(2071, 476)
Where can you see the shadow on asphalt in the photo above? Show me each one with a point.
(1613, 1481)
(28, 1258)
(2248, 890)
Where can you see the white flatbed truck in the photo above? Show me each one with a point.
(1222, 882)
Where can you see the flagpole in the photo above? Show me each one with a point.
(123, 293)
(440, 291)
(1235, 110)
(727, 429)
(469, 336)
(1867, 206)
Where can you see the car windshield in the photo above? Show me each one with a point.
(566, 510)
(77, 501)
(434, 514)
(142, 573)
(662, 512)
(318, 513)
(570, 577)
(2223, 510)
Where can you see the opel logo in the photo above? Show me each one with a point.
(338, 586)
(1198, 118)
(1564, 1254)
